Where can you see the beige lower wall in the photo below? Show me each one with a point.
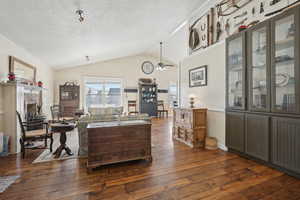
(128, 69)
(211, 96)
(216, 126)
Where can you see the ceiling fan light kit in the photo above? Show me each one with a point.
(161, 66)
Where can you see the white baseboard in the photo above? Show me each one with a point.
(222, 147)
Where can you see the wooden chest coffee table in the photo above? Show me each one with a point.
(114, 142)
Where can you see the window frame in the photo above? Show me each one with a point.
(172, 84)
(102, 80)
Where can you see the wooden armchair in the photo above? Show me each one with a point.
(28, 137)
(161, 109)
(57, 114)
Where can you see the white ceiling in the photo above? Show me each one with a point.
(50, 29)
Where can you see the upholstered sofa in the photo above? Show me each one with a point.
(106, 111)
(84, 121)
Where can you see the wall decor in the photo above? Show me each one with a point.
(201, 32)
(198, 76)
(22, 70)
(147, 67)
(226, 17)
(228, 7)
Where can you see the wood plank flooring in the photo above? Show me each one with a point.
(177, 172)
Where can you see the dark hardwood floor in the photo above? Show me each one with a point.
(177, 172)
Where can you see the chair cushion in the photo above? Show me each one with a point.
(36, 133)
(68, 118)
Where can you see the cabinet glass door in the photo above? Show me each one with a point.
(236, 73)
(258, 69)
(283, 63)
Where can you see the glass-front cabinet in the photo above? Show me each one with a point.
(285, 63)
(259, 67)
(236, 72)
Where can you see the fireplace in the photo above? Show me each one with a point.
(32, 108)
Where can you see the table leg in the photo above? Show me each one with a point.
(63, 146)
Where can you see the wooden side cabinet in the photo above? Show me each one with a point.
(190, 126)
(69, 99)
(286, 143)
(235, 131)
(257, 136)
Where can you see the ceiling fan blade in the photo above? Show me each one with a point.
(169, 65)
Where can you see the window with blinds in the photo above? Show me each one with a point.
(103, 92)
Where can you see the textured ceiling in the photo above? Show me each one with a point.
(50, 29)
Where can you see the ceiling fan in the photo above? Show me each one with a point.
(162, 66)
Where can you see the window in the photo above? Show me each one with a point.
(172, 94)
(103, 92)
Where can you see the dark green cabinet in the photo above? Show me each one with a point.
(235, 128)
(257, 136)
(286, 143)
(263, 92)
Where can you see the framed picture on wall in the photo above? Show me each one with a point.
(198, 76)
(22, 70)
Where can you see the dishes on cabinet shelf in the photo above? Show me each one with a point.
(282, 79)
(284, 58)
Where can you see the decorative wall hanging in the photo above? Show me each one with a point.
(201, 32)
(147, 67)
(80, 12)
(283, 9)
(23, 71)
(198, 76)
(228, 7)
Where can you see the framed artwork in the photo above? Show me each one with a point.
(198, 76)
(200, 34)
(22, 70)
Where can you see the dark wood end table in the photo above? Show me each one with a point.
(62, 129)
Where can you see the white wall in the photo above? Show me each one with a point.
(211, 96)
(44, 73)
(127, 68)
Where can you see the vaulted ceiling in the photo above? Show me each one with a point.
(50, 30)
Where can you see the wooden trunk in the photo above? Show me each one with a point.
(111, 142)
(189, 126)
